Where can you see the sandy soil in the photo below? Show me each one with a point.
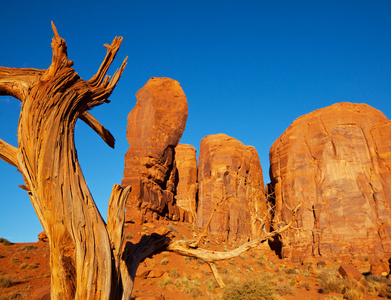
(26, 267)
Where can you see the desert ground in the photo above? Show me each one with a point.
(25, 273)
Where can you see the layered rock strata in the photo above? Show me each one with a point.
(155, 126)
(336, 161)
(230, 181)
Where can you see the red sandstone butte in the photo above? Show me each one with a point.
(186, 192)
(230, 180)
(155, 126)
(336, 161)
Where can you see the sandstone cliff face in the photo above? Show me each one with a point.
(155, 126)
(186, 192)
(230, 180)
(335, 160)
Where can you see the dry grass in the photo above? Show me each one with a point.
(349, 288)
(373, 285)
(8, 296)
(5, 242)
(6, 281)
(190, 286)
(172, 228)
(248, 290)
(23, 265)
(33, 266)
(166, 280)
(174, 273)
(385, 291)
(28, 248)
(305, 285)
(284, 289)
(353, 294)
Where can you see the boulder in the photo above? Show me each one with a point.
(155, 126)
(380, 268)
(321, 264)
(186, 191)
(43, 237)
(349, 271)
(148, 273)
(231, 182)
(336, 161)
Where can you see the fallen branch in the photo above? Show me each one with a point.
(210, 256)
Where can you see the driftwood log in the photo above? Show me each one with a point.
(87, 257)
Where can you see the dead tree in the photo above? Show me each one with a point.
(84, 250)
(87, 257)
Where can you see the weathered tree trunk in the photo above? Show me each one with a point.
(84, 253)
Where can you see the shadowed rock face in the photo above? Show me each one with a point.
(155, 126)
(335, 160)
(230, 180)
(186, 163)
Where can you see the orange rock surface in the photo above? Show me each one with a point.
(186, 191)
(336, 161)
(230, 180)
(155, 126)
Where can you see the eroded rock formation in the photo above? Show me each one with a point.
(335, 160)
(155, 126)
(186, 192)
(230, 180)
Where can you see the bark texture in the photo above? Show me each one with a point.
(52, 101)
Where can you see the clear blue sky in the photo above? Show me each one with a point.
(248, 68)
